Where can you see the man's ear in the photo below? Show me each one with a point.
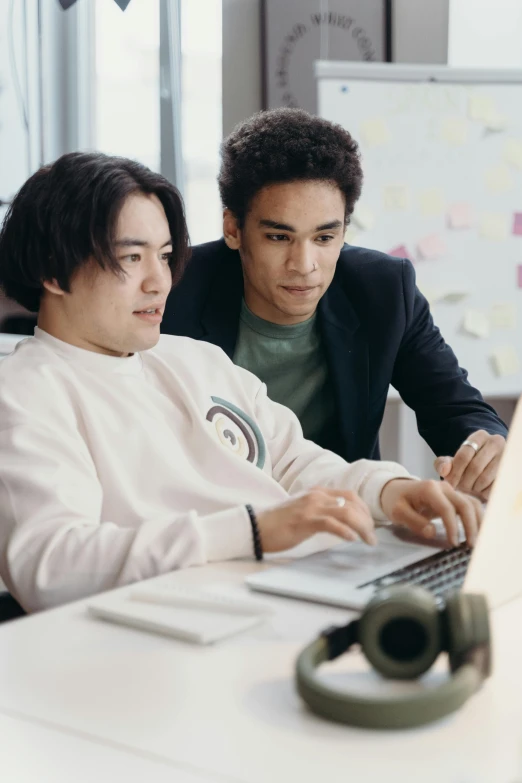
(231, 230)
(53, 287)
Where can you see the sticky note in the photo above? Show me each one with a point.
(401, 251)
(480, 107)
(431, 201)
(513, 153)
(495, 121)
(494, 227)
(519, 276)
(453, 297)
(499, 179)
(505, 361)
(503, 315)
(396, 197)
(460, 215)
(363, 217)
(433, 295)
(375, 133)
(517, 224)
(431, 246)
(476, 324)
(454, 131)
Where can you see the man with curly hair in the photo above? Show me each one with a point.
(125, 455)
(328, 327)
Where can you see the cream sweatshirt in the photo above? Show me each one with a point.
(116, 469)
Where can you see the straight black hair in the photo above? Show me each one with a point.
(66, 214)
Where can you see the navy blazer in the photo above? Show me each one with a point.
(376, 329)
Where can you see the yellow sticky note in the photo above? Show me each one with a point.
(495, 121)
(481, 107)
(431, 201)
(499, 179)
(396, 197)
(513, 153)
(505, 361)
(433, 295)
(476, 324)
(494, 227)
(363, 217)
(375, 133)
(454, 131)
(503, 315)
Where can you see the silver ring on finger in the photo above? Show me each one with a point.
(340, 501)
(473, 445)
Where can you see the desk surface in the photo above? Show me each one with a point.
(34, 753)
(231, 711)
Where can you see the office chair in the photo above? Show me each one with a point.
(10, 609)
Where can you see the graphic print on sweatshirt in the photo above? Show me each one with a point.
(237, 431)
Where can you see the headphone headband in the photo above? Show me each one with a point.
(469, 652)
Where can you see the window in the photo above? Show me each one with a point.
(127, 96)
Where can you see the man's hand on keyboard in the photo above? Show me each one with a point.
(414, 503)
(319, 511)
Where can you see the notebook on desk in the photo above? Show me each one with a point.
(349, 575)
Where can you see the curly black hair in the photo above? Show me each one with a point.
(66, 213)
(285, 145)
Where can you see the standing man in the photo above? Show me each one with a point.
(326, 326)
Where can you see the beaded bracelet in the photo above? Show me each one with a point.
(258, 549)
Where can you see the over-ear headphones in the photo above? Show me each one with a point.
(402, 631)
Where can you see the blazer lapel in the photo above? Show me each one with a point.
(221, 312)
(347, 355)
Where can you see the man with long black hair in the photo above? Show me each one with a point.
(123, 455)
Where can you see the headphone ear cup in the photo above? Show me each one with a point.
(467, 628)
(400, 631)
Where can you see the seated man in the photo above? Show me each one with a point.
(326, 326)
(123, 455)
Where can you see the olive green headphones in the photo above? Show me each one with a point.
(401, 632)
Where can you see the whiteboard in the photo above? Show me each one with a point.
(442, 159)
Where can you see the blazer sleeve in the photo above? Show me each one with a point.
(429, 379)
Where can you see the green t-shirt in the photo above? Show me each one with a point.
(291, 361)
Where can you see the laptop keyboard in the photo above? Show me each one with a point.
(440, 573)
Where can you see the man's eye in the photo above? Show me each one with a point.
(167, 257)
(325, 238)
(277, 237)
(133, 257)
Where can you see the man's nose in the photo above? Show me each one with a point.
(302, 258)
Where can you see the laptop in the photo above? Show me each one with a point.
(349, 574)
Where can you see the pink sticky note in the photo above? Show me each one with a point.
(460, 215)
(519, 270)
(517, 224)
(400, 251)
(431, 246)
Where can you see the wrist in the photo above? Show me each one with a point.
(390, 491)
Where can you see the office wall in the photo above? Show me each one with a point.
(241, 61)
(15, 144)
(495, 37)
(420, 35)
(420, 31)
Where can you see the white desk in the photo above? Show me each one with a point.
(33, 753)
(230, 712)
